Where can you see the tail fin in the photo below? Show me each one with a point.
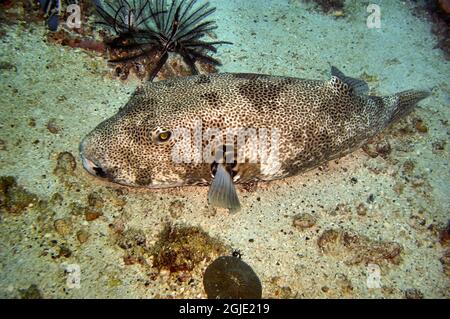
(404, 102)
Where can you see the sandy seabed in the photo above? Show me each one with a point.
(385, 212)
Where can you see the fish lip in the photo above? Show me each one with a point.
(95, 170)
(89, 165)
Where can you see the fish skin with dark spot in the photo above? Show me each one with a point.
(317, 121)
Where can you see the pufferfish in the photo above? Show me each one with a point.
(313, 122)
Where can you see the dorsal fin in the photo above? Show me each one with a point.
(358, 86)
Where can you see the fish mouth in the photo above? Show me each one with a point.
(92, 168)
(89, 165)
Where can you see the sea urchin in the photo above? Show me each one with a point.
(157, 28)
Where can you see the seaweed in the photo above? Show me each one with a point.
(14, 199)
(182, 248)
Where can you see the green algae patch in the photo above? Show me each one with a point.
(14, 199)
(182, 248)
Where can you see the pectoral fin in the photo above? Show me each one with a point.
(222, 192)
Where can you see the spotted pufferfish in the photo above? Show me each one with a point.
(316, 121)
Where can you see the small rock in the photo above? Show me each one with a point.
(52, 127)
(413, 294)
(62, 226)
(361, 210)
(64, 252)
(444, 236)
(303, 221)
(2, 145)
(82, 236)
(420, 126)
(91, 215)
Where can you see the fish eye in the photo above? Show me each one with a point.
(163, 136)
